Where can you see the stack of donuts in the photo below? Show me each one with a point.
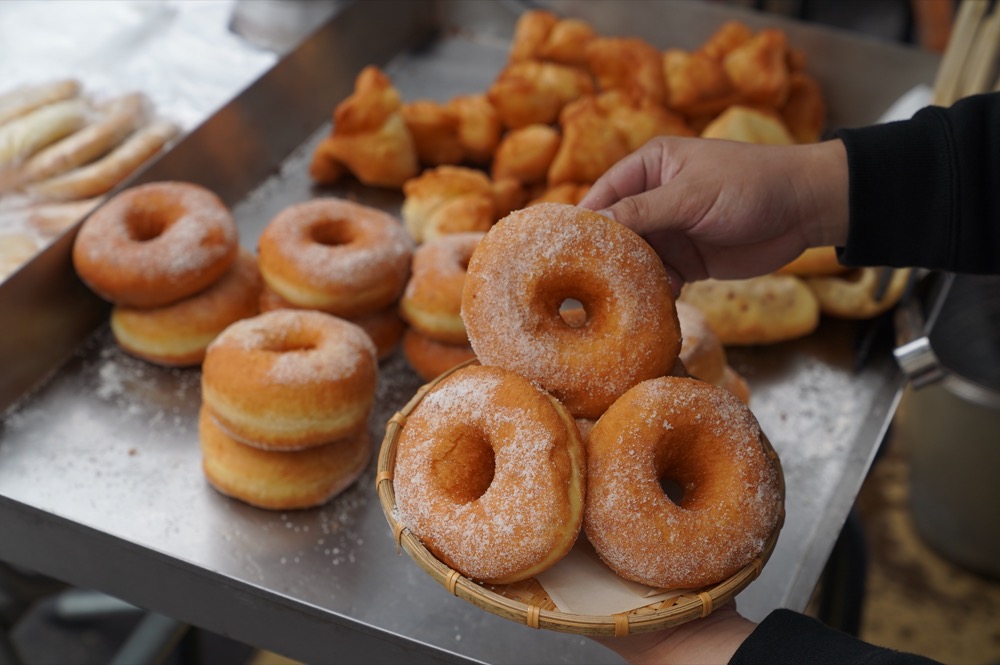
(286, 397)
(339, 257)
(492, 472)
(166, 255)
(435, 339)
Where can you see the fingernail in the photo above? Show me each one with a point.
(607, 213)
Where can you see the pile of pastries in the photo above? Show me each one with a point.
(61, 151)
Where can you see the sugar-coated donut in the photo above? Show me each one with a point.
(178, 334)
(280, 479)
(432, 300)
(337, 256)
(701, 350)
(430, 358)
(385, 326)
(490, 475)
(705, 440)
(537, 258)
(154, 244)
(290, 379)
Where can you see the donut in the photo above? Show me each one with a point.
(430, 358)
(280, 479)
(178, 334)
(154, 244)
(337, 256)
(385, 326)
(490, 475)
(536, 259)
(432, 300)
(290, 379)
(706, 442)
(701, 351)
(734, 382)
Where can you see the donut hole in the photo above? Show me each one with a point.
(146, 223)
(573, 313)
(464, 465)
(673, 488)
(290, 342)
(331, 232)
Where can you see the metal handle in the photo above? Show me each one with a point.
(913, 349)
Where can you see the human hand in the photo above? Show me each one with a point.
(724, 209)
(713, 639)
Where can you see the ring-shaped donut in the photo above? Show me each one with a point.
(154, 244)
(703, 440)
(538, 258)
(490, 475)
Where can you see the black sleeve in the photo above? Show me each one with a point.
(792, 638)
(925, 192)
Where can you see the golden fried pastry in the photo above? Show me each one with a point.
(541, 35)
(696, 83)
(479, 126)
(852, 294)
(735, 383)
(448, 199)
(759, 310)
(508, 195)
(591, 144)
(750, 125)
(805, 111)
(324, 168)
(701, 349)
(369, 134)
(627, 63)
(638, 118)
(569, 193)
(531, 92)
(729, 36)
(434, 128)
(814, 262)
(758, 68)
(525, 154)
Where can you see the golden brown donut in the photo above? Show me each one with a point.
(178, 334)
(385, 326)
(703, 439)
(335, 255)
(432, 300)
(489, 475)
(290, 379)
(701, 351)
(280, 479)
(430, 358)
(154, 244)
(534, 260)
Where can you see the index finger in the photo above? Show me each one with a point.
(633, 174)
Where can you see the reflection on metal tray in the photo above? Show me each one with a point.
(100, 478)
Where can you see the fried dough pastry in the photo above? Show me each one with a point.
(535, 92)
(479, 126)
(638, 118)
(434, 128)
(750, 125)
(525, 154)
(591, 144)
(729, 36)
(541, 35)
(814, 262)
(805, 111)
(851, 295)
(696, 83)
(760, 310)
(569, 193)
(758, 68)
(627, 63)
(369, 136)
(452, 199)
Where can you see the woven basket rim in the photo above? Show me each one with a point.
(690, 605)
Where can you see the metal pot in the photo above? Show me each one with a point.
(949, 419)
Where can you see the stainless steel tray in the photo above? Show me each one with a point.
(100, 478)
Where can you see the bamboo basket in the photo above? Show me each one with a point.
(526, 602)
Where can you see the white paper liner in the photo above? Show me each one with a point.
(581, 584)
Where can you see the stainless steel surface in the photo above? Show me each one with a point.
(100, 480)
